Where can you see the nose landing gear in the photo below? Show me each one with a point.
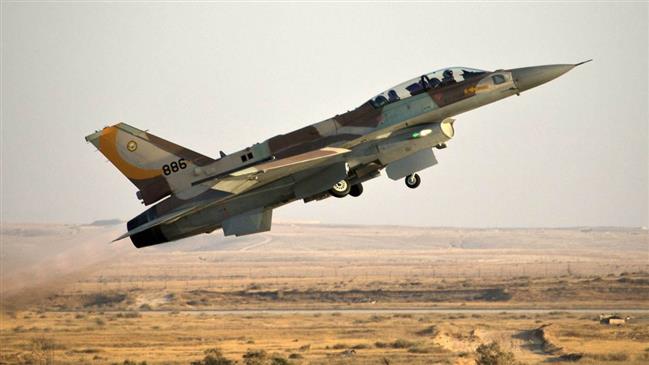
(413, 181)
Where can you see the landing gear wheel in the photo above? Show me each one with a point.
(356, 190)
(413, 181)
(341, 189)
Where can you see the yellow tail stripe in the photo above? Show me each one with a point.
(108, 146)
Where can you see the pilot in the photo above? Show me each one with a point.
(424, 82)
(392, 96)
(435, 83)
(448, 78)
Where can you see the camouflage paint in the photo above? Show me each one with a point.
(264, 175)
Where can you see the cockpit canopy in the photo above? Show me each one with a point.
(433, 80)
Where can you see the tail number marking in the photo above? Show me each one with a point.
(174, 167)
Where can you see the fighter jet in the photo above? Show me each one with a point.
(396, 131)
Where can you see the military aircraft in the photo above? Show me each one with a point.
(396, 130)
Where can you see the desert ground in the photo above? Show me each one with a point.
(307, 293)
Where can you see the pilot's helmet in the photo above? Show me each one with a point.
(448, 74)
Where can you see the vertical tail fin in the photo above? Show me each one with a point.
(156, 166)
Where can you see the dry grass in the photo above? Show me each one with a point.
(157, 337)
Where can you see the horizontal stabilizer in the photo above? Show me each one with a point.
(165, 219)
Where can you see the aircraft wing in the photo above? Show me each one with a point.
(248, 178)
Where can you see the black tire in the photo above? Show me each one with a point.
(341, 189)
(413, 181)
(356, 190)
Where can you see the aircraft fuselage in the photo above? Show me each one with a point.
(395, 131)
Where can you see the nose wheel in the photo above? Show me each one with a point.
(412, 181)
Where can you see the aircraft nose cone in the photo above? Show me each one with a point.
(529, 77)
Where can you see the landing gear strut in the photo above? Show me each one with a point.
(413, 181)
(341, 189)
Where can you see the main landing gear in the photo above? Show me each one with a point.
(413, 181)
(356, 190)
(343, 188)
(340, 189)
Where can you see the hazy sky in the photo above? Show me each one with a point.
(213, 77)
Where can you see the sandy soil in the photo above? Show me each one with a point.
(68, 296)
